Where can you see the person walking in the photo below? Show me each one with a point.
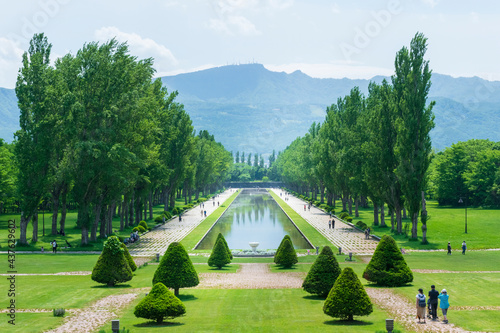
(464, 247)
(421, 305)
(444, 304)
(329, 224)
(333, 223)
(449, 248)
(433, 301)
(54, 246)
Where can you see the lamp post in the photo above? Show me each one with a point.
(460, 201)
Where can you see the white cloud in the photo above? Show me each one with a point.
(10, 62)
(337, 71)
(140, 47)
(335, 8)
(432, 3)
(234, 25)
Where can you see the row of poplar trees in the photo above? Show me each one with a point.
(96, 128)
(375, 147)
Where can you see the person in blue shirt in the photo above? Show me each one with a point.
(444, 304)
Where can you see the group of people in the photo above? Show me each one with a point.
(367, 233)
(464, 247)
(331, 224)
(134, 237)
(432, 304)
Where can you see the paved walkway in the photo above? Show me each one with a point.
(343, 235)
(158, 240)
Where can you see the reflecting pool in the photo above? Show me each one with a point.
(254, 216)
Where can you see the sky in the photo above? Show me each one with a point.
(324, 39)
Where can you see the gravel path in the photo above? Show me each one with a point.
(343, 235)
(91, 318)
(158, 240)
(251, 276)
(404, 312)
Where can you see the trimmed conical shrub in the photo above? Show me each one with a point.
(176, 269)
(347, 298)
(281, 246)
(219, 236)
(323, 273)
(159, 304)
(129, 258)
(112, 266)
(219, 256)
(286, 257)
(387, 266)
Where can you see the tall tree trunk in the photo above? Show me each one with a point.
(23, 225)
(322, 191)
(172, 199)
(166, 196)
(64, 197)
(85, 235)
(329, 199)
(345, 197)
(34, 239)
(356, 207)
(404, 213)
(392, 219)
(138, 211)
(55, 210)
(95, 223)
(151, 204)
(349, 202)
(399, 222)
(382, 215)
(146, 205)
(102, 220)
(424, 219)
(109, 220)
(131, 211)
(375, 213)
(414, 225)
(122, 214)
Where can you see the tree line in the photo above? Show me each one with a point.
(96, 129)
(244, 170)
(376, 146)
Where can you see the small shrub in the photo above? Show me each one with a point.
(175, 211)
(219, 256)
(159, 304)
(167, 214)
(323, 273)
(176, 269)
(141, 229)
(388, 266)
(58, 312)
(144, 225)
(129, 258)
(347, 298)
(286, 257)
(159, 219)
(348, 219)
(361, 225)
(112, 267)
(343, 215)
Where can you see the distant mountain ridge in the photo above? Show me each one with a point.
(252, 109)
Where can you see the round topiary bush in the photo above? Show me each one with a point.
(219, 256)
(159, 219)
(286, 257)
(129, 258)
(388, 266)
(112, 266)
(167, 214)
(144, 225)
(347, 298)
(159, 304)
(323, 273)
(176, 269)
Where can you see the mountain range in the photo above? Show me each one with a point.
(254, 110)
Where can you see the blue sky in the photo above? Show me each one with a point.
(355, 39)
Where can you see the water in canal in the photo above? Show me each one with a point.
(254, 216)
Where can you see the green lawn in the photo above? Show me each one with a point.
(253, 310)
(471, 261)
(446, 224)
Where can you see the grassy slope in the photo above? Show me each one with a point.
(311, 233)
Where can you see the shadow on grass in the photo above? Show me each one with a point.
(116, 286)
(222, 269)
(348, 323)
(155, 324)
(314, 298)
(376, 286)
(186, 298)
(285, 269)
